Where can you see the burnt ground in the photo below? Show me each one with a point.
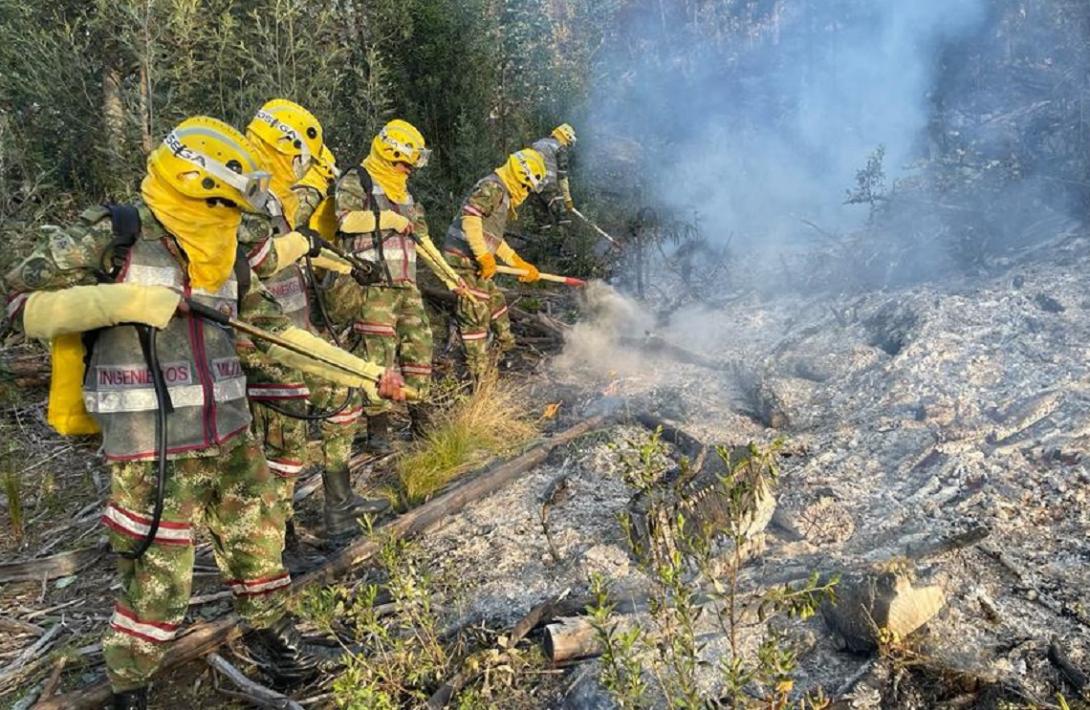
(912, 414)
(921, 413)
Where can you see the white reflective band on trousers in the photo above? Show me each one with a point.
(144, 399)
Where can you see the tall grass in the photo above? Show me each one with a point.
(490, 421)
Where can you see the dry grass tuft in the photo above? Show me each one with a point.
(488, 422)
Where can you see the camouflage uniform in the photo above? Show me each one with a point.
(389, 319)
(490, 201)
(216, 473)
(284, 438)
(557, 160)
(339, 430)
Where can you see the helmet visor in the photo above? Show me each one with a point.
(423, 155)
(535, 182)
(253, 186)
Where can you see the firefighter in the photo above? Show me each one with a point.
(554, 148)
(380, 222)
(170, 398)
(289, 142)
(473, 242)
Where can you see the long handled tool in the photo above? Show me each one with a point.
(215, 316)
(435, 260)
(595, 227)
(566, 280)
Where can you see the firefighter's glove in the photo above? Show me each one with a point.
(366, 274)
(289, 248)
(363, 222)
(368, 373)
(331, 262)
(390, 385)
(84, 308)
(487, 264)
(565, 190)
(531, 275)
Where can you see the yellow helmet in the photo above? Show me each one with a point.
(400, 142)
(204, 158)
(290, 129)
(528, 166)
(565, 134)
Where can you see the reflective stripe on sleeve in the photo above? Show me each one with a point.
(276, 391)
(374, 328)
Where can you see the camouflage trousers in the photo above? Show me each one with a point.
(393, 331)
(285, 438)
(476, 319)
(339, 430)
(284, 441)
(235, 496)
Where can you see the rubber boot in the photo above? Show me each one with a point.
(378, 434)
(135, 699)
(420, 418)
(299, 557)
(288, 659)
(343, 507)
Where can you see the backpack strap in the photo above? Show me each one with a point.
(242, 273)
(125, 221)
(368, 186)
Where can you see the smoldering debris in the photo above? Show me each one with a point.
(925, 412)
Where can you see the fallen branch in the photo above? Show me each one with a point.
(54, 681)
(688, 444)
(573, 639)
(558, 491)
(14, 626)
(35, 651)
(441, 507)
(59, 565)
(951, 543)
(539, 613)
(655, 345)
(1078, 680)
(204, 637)
(256, 693)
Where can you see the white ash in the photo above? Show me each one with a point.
(921, 411)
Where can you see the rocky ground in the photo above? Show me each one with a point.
(911, 416)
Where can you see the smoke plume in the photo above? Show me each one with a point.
(752, 117)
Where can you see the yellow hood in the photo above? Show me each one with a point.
(393, 182)
(516, 189)
(207, 234)
(281, 168)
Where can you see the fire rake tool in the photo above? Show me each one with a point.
(595, 227)
(566, 280)
(215, 316)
